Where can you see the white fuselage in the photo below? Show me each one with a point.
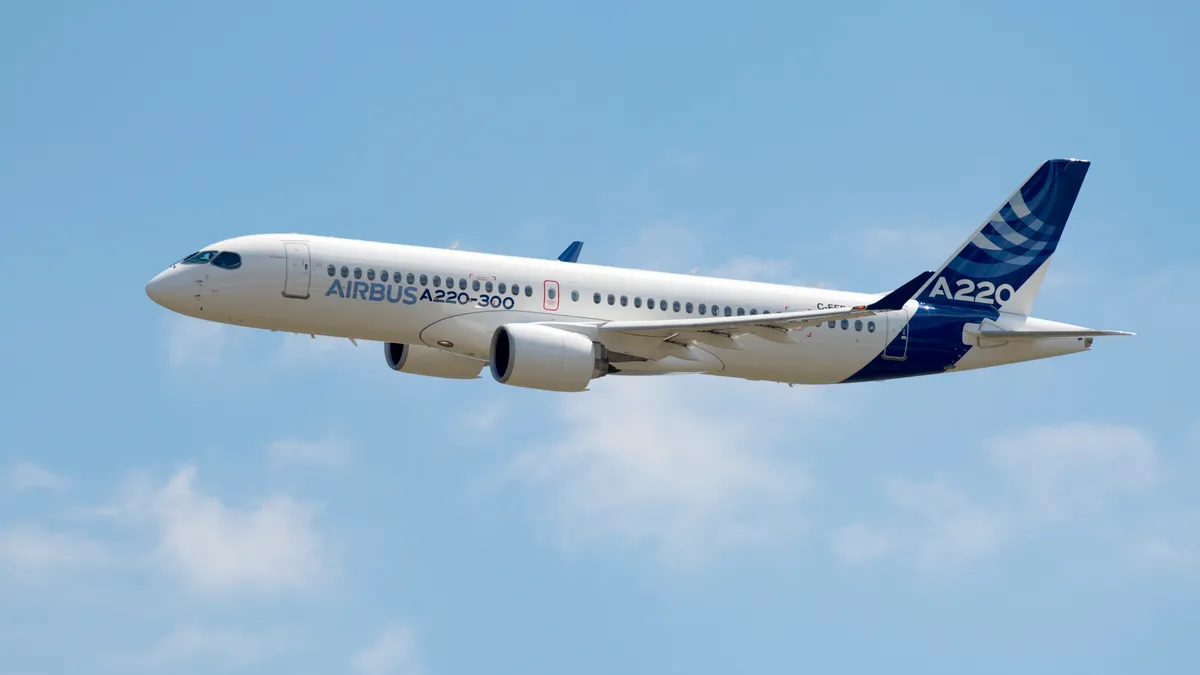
(455, 300)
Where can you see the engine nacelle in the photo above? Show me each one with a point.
(542, 357)
(422, 360)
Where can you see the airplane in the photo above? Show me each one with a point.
(557, 325)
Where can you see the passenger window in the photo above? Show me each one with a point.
(741, 312)
(502, 288)
(688, 307)
(383, 276)
(637, 301)
(357, 272)
(551, 293)
(870, 326)
(528, 291)
(832, 324)
(487, 286)
(475, 285)
(596, 298)
(437, 281)
(624, 300)
(611, 299)
(424, 280)
(516, 290)
(858, 325)
(345, 271)
(753, 312)
(370, 275)
(845, 324)
(449, 282)
(462, 284)
(675, 305)
(574, 295)
(649, 303)
(703, 309)
(332, 271)
(412, 279)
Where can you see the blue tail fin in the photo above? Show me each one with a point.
(1004, 261)
(571, 253)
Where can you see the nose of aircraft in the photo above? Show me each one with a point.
(168, 289)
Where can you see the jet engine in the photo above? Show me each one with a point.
(538, 356)
(422, 360)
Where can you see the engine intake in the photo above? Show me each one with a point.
(422, 360)
(542, 357)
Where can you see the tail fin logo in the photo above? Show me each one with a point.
(1017, 240)
(985, 292)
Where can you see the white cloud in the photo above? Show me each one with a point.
(273, 546)
(665, 245)
(652, 462)
(213, 648)
(859, 543)
(485, 416)
(750, 268)
(939, 526)
(330, 451)
(925, 245)
(393, 653)
(22, 476)
(30, 549)
(1078, 467)
(1162, 552)
(196, 343)
(306, 349)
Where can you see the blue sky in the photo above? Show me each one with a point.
(183, 497)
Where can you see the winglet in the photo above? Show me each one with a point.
(571, 254)
(897, 298)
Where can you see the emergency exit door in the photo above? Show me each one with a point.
(550, 296)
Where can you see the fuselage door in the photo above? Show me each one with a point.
(295, 284)
(550, 296)
(897, 336)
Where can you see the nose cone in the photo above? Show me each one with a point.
(168, 289)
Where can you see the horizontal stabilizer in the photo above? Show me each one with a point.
(1035, 334)
(897, 298)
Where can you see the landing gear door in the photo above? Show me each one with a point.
(896, 348)
(550, 296)
(298, 275)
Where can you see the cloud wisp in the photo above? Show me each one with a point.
(273, 546)
(668, 465)
(394, 652)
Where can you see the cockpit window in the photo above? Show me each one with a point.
(199, 258)
(227, 260)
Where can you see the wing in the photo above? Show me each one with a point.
(779, 322)
(654, 340)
